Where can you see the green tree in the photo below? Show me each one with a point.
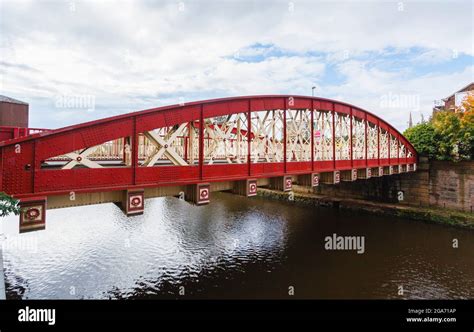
(447, 127)
(8, 205)
(424, 139)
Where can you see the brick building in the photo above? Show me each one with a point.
(451, 102)
(13, 113)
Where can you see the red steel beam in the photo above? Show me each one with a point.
(350, 139)
(378, 141)
(312, 135)
(134, 151)
(365, 140)
(249, 135)
(201, 142)
(333, 137)
(284, 134)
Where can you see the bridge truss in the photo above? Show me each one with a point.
(196, 144)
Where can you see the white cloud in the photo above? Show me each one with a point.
(366, 87)
(435, 56)
(132, 55)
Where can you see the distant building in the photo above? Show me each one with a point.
(451, 102)
(13, 113)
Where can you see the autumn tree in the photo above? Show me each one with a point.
(447, 125)
(466, 131)
(448, 135)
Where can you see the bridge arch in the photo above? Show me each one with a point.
(205, 141)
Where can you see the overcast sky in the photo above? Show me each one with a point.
(388, 57)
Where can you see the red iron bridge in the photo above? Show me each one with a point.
(193, 149)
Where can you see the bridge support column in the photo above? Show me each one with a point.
(32, 214)
(246, 188)
(133, 202)
(349, 175)
(283, 183)
(377, 171)
(330, 177)
(309, 180)
(394, 169)
(198, 194)
(388, 170)
(364, 173)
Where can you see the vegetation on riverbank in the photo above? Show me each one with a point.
(427, 214)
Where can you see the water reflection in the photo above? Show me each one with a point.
(85, 253)
(233, 248)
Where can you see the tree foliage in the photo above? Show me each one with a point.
(448, 135)
(8, 205)
(446, 125)
(466, 133)
(423, 138)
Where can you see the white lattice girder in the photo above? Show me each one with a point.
(228, 139)
(164, 146)
(372, 141)
(267, 129)
(383, 143)
(358, 138)
(323, 147)
(298, 134)
(81, 158)
(342, 137)
(393, 147)
(402, 150)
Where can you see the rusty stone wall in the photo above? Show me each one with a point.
(452, 184)
(442, 184)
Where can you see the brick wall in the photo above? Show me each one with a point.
(13, 115)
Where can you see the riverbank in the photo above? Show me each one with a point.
(431, 215)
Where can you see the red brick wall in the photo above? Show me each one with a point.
(14, 115)
(448, 104)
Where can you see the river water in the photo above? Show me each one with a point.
(234, 248)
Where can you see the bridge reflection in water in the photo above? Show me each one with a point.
(233, 248)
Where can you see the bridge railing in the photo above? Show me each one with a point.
(8, 132)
